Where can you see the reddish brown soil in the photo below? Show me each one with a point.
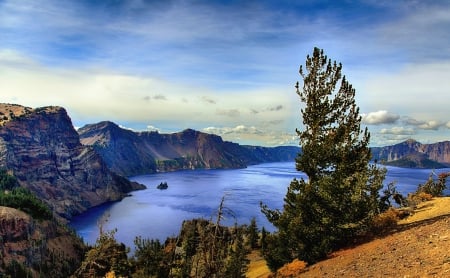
(418, 247)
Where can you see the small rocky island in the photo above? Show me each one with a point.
(162, 186)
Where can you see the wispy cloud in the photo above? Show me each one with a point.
(275, 108)
(397, 130)
(208, 100)
(229, 112)
(252, 135)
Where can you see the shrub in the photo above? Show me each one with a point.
(292, 269)
(7, 181)
(418, 197)
(432, 187)
(385, 221)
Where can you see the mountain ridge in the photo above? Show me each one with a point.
(132, 153)
(413, 154)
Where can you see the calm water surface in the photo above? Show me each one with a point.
(154, 213)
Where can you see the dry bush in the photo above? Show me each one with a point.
(418, 197)
(292, 269)
(385, 221)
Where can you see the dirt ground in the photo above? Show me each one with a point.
(418, 247)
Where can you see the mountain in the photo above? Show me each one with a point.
(413, 154)
(131, 153)
(42, 150)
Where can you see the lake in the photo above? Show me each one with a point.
(157, 214)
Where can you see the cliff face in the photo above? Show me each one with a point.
(43, 150)
(131, 153)
(414, 154)
(42, 248)
(122, 150)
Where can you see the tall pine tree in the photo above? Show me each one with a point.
(340, 195)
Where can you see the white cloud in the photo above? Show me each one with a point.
(153, 128)
(398, 130)
(127, 128)
(240, 129)
(379, 117)
(447, 124)
(253, 135)
(431, 125)
(426, 125)
(92, 95)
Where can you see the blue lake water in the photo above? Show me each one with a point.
(154, 213)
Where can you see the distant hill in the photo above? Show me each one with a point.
(132, 153)
(42, 150)
(413, 154)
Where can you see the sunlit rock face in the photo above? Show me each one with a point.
(42, 149)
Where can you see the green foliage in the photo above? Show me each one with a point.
(11, 195)
(22, 199)
(106, 256)
(252, 234)
(150, 260)
(202, 249)
(7, 181)
(340, 196)
(263, 241)
(219, 250)
(434, 187)
(275, 249)
(236, 263)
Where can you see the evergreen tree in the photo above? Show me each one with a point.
(252, 234)
(263, 241)
(340, 195)
(106, 256)
(149, 258)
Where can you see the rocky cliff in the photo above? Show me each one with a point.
(131, 153)
(414, 154)
(43, 151)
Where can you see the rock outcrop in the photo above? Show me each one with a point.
(43, 151)
(32, 248)
(132, 153)
(414, 154)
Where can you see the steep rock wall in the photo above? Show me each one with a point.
(42, 149)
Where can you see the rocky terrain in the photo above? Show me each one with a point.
(30, 247)
(414, 154)
(42, 150)
(130, 153)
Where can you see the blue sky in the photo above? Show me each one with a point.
(228, 67)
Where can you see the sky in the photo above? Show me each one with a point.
(228, 67)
